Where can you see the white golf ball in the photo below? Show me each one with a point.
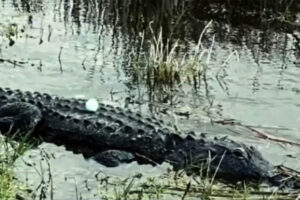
(92, 104)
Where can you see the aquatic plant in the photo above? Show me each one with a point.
(164, 67)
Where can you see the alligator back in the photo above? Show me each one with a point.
(67, 121)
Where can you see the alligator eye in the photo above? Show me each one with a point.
(239, 153)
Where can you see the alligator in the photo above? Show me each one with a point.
(112, 135)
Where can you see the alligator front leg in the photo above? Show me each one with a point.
(113, 158)
(18, 117)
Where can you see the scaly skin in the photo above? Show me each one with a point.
(127, 136)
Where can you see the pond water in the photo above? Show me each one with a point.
(82, 48)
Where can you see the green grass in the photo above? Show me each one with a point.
(178, 185)
(7, 189)
(7, 183)
(169, 186)
(9, 152)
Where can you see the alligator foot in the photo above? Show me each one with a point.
(113, 158)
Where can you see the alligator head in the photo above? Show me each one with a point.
(228, 160)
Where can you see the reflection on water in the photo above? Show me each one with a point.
(72, 48)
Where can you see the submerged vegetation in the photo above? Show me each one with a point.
(165, 67)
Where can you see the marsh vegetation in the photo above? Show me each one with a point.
(10, 151)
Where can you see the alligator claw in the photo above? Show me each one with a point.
(113, 158)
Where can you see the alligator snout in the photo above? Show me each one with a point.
(284, 177)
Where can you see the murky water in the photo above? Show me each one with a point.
(82, 48)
